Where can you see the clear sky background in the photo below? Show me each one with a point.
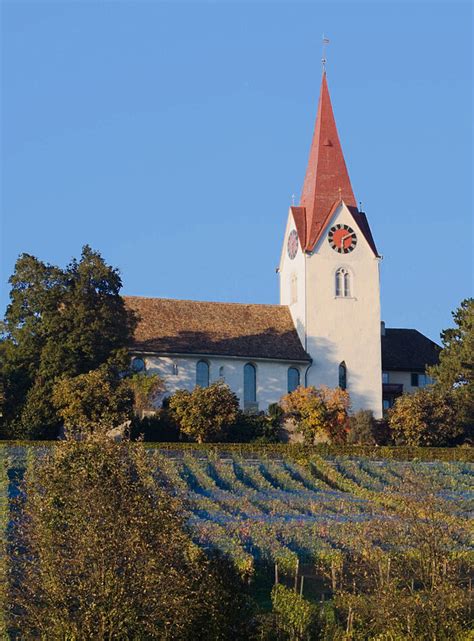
(171, 136)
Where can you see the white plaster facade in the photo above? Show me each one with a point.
(271, 376)
(338, 329)
(287, 270)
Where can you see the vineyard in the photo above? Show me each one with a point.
(285, 513)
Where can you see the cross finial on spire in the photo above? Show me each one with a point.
(293, 199)
(324, 59)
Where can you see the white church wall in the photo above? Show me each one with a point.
(272, 376)
(345, 329)
(287, 269)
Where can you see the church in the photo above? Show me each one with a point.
(327, 329)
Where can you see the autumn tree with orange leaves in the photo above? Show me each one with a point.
(318, 412)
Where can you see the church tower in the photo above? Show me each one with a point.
(329, 273)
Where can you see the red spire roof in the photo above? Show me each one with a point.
(327, 180)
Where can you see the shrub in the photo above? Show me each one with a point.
(426, 418)
(159, 428)
(318, 411)
(206, 413)
(362, 427)
(257, 428)
(101, 552)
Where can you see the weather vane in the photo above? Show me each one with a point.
(293, 199)
(324, 59)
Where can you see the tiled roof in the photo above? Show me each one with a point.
(226, 329)
(408, 350)
(327, 181)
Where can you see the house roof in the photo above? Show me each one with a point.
(408, 350)
(327, 181)
(222, 329)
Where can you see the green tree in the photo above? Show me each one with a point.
(206, 413)
(456, 362)
(426, 418)
(94, 401)
(60, 322)
(102, 552)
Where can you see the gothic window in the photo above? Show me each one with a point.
(343, 283)
(202, 374)
(347, 284)
(222, 373)
(342, 375)
(293, 289)
(293, 378)
(250, 384)
(174, 369)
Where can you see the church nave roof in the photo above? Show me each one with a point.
(223, 329)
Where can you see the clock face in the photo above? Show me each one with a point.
(342, 238)
(293, 244)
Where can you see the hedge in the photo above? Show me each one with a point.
(278, 450)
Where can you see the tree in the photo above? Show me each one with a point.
(426, 418)
(206, 413)
(318, 412)
(456, 362)
(60, 322)
(146, 389)
(100, 551)
(94, 401)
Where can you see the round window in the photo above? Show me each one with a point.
(138, 365)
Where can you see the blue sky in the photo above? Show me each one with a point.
(171, 136)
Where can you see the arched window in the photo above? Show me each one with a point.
(202, 374)
(342, 375)
(293, 378)
(222, 373)
(174, 369)
(293, 289)
(347, 284)
(250, 384)
(343, 283)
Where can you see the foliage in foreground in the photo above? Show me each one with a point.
(101, 551)
(392, 554)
